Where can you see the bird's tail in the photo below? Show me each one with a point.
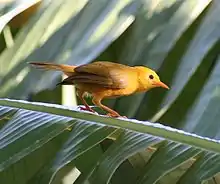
(66, 69)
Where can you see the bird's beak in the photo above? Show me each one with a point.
(161, 84)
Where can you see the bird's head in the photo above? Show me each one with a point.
(148, 79)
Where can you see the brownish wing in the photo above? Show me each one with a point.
(106, 74)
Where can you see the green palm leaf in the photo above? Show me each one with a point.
(56, 123)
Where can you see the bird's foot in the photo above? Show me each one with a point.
(87, 109)
(116, 116)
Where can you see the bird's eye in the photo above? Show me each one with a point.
(151, 77)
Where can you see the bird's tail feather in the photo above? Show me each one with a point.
(67, 69)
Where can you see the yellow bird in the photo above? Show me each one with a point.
(104, 79)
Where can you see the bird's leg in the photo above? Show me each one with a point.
(97, 101)
(86, 108)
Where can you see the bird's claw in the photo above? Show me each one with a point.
(86, 109)
(123, 117)
(116, 116)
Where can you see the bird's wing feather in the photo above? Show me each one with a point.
(106, 74)
(101, 68)
(87, 78)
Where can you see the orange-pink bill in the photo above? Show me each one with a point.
(161, 84)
